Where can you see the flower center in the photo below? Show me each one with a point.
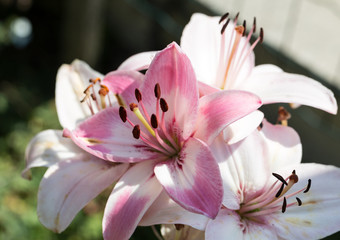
(233, 57)
(95, 99)
(156, 136)
(274, 199)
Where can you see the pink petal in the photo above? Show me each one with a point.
(139, 61)
(283, 144)
(220, 109)
(172, 70)
(165, 211)
(241, 128)
(317, 217)
(123, 83)
(274, 86)
(106, 136)
(71, 83)
(48, 148)
(193, 179)
(129, 200)
(69, 185)
(205, 89)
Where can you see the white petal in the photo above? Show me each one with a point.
(71, 83)
(139, 61)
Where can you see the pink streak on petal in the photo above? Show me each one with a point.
(193, 179)
(129, 200)
(218, 110)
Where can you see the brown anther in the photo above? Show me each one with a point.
(261, 35)
(225, 26)
(283, 115)
(179, 226)
(308, 185)
(284, 205)
(294, 177)
(154, 121)
(299, 201)
(254, 25)
(280, 178)
(164, 105)
(157, 91)
(133, 106)
(236, 17)
(280, 191)
(136, 131)
(94, 98)
(239, 29)
(138, 95)
(88, 88)
(244, 26)
(122, 113)
(224, 16)
(94, 80)
(103, 91)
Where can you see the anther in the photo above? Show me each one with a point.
(284, 205)
(94, 98)
(254, 25)
(164, 105)
(138, 95)
(133, 106)
(179, 226)
(224, 16)
(122, 113)
(157, 91)
(280, 178)
(299, 201)
(261, 35)
(245, 27)
(225, 26)
(136, 131)
(94, 80)
(154, 121)
(280, 191)
(239, 30)
(294, 177)
(236, 17)
(308, 186)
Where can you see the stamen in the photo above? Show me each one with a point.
(284, 205)
(157, 91)
(154, 121)
(254, 25)
(225, 26)
(283, 116)
(261, 35)
(94, 98)
(164, 105)
(280, 178)
(299, 201)
(294, 177)
(224, 16)
(94, 81)
(136, 131)
(103, 91)
(138, 95)
(122, 113)
(135, 109)
(308, 186)
(245, 27)
(236, 17)
(179, 226)
(280, 191)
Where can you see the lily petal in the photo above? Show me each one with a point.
(106, 136)
(165, 211)
(71, 83)
(172, 70)
(129, 200)
(193, 179)
(316, 218)
(139, 61)
(222, 108)
(283, 144)
(47, 148)
(240, 129)
(275, 86)
(69, 185)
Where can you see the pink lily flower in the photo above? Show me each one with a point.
(167, 132)
(268, 192)
(223, 58)
(74, 177)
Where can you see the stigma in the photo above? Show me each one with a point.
(275, 198)
(234, 56)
